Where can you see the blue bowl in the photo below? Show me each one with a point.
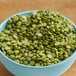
(24, 70)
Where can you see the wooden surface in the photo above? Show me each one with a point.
(65, 7)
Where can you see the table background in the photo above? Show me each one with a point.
(65, 7)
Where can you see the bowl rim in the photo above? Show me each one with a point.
(27, 66)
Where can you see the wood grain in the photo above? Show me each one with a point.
(65, 7)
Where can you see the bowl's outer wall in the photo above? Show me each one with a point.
(19, 70)
(28, 71)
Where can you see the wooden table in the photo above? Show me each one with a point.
(65, 7)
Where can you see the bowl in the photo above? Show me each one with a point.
(24, 70)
